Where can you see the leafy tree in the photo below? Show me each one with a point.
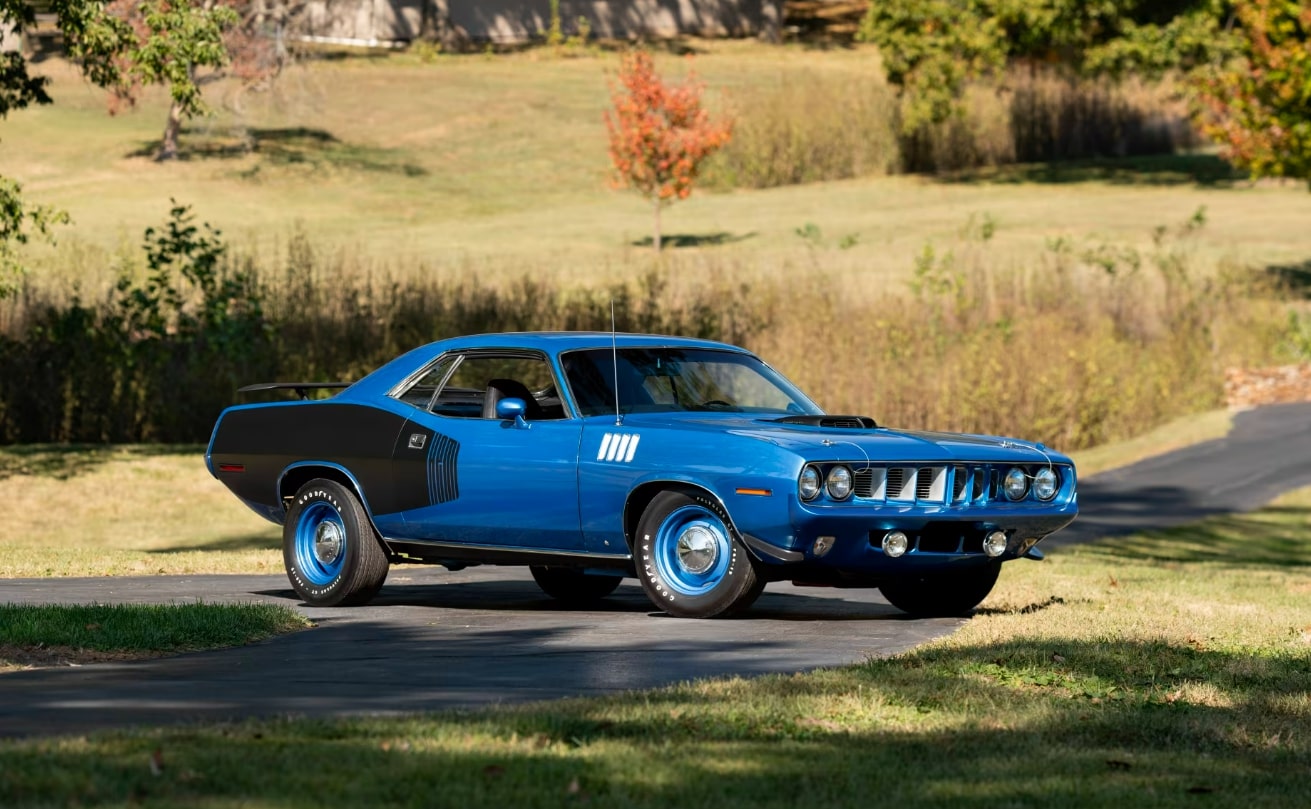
(172, 41)
(932, 48)
(1258, 106)
(659, 134)
(93, 39)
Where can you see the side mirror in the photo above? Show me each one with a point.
(511, 409)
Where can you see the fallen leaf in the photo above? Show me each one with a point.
(1114, 582)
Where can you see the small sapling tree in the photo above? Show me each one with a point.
(659, 134)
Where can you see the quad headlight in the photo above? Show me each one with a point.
(809, 483)
(1015, 484)
(839, 483)
(1045, 483)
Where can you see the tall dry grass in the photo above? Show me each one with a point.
(1083, 343)
(810, 126)
(1086, 344)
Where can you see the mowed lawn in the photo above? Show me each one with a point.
(497, 166)
(1161, 670)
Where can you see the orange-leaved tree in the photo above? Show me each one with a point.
(659, 133)
(1258, 107)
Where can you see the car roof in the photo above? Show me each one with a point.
(554, 342)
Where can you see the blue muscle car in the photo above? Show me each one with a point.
(689, 464)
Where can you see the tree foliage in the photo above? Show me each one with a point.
(1258, 107)
(932, 48)
(660, 134)
(171, 41)
(93, 38)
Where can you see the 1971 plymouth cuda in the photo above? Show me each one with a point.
(689, 464)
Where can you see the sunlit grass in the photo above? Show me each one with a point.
(1096, 678)
(125, 510)
(45, 634)
(471, 164)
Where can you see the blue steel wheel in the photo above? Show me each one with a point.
(332, 554)
(688, 560)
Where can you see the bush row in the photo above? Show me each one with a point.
(1082, 344)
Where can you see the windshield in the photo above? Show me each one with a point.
(661, 380)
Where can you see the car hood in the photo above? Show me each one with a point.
(881, 444)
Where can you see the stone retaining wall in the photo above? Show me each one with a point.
(1251, 387)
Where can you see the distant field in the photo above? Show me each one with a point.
(497, 166)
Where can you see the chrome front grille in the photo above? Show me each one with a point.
(958, 485)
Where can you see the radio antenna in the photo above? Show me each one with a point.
(614, 356)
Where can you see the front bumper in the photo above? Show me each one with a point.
(939, 539)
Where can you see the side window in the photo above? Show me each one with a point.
(481, 380)
(421, 392)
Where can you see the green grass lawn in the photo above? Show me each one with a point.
(499, 167)
(56, 634)
(1171, 669)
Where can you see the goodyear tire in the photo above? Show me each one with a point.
(332, 555)
(942, 595)
(572, 586)
(688, 560)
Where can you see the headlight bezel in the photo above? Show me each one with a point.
(1039, 484)
(801, 483)
(842, 472)
(1015, 474)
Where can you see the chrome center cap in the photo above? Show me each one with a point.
(328, 540)
(698, 549)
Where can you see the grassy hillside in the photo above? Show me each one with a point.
(499, 165)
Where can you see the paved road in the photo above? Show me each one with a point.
(435, 639)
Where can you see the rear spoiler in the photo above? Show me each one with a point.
(299, 387)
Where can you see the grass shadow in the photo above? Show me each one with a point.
(695, 239)
(267, 541)
(1274, 537)
(277, 147)
(1296, 278)
(65, 462)
(1204, 170)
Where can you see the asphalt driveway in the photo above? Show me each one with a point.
(436, 639)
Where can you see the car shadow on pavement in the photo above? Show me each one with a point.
(522, 596)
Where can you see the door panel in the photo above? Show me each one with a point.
(493, 482)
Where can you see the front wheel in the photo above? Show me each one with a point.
(332, 555)
(688, 561)
(573, 587)
(942, 594)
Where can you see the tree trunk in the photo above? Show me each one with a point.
(771, 21)
(168, 149)
(655, 241)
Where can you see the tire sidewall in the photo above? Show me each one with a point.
(343, 501)
(736, 581)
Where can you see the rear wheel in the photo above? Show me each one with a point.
(942, 594)
(332, 555)
(573, 586)
(688, 560)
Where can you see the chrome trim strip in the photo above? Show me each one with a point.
(462, 546)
